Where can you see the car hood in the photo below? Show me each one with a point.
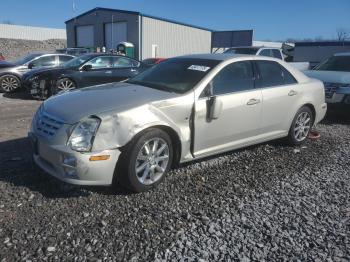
(72, 106)
(40, 71)
(329, 76)
(6, 64)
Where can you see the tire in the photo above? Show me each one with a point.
(10, 83)
(64, 85)
(151, 170)
(301, 126)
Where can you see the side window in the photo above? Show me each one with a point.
(46, 61)
(101, 62)
(64, 58)
(235, 77)
(276, 54)
(123, 62)
(265, 52)
(288, 77)
(273, 74)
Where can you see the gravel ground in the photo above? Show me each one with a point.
(264, 203)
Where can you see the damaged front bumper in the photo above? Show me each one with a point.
(74, 167)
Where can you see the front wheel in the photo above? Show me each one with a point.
(10, 83)
(301, 126)
(146, 160)
(64, 85)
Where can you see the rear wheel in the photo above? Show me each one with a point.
(146, 160)
(301, 126)
(10, 83)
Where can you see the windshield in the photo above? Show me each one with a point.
(177, 75)
(25, 59)
(242, 51)
(75, 62)
(335, 63)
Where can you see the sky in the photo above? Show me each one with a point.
(270, 19)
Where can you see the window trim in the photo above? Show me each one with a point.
(43, 56)
(111, 68)
(258, 75)
(202, 95)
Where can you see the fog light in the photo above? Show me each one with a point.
(69, 171)
(69, 161)
(347, 100)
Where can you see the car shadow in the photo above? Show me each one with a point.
(336, 117)
(23, 95)
(18, 169)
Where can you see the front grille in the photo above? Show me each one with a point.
(330, 89)
(47, 125)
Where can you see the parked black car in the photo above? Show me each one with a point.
(85, 70)
(11, 72)
(76, 51)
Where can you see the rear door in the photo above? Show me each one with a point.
(239, 121)
(123, 68)
(280, 93)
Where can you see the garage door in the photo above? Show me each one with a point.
(115, 33)
(85, 36)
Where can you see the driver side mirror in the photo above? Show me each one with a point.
(86, 67)
(214, 105)
(31, 65)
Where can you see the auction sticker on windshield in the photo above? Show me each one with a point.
(199, 68)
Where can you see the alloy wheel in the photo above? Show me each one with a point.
(9, 83)
(302, 126)
(152, 161)
(65, 85)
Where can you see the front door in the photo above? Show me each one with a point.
(238, 122)
(100, 72)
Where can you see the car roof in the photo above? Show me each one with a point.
(217, 56)
(342, 54)
(252, 47)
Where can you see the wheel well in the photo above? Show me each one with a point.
(9, 74)
(174, 139)
(312, 108)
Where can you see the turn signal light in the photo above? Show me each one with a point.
(99, 158)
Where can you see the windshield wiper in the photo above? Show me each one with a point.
(150, 85)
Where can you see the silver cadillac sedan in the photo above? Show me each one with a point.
(183, 109)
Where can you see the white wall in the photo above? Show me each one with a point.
(172, 39)
(30, 32)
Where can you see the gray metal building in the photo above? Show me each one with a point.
(151, 36)
(316, 52)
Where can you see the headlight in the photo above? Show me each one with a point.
(33, 78)
(82, 137)
(36, 117)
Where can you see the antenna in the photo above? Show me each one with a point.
(74, 8)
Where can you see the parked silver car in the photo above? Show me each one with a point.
(183, 109)
(334, 72)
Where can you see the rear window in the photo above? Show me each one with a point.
(335, 63)
(242, 51)
(273, 74)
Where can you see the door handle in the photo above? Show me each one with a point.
(253, 101)
(108, 72)
(292, 93)
(133, 70)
